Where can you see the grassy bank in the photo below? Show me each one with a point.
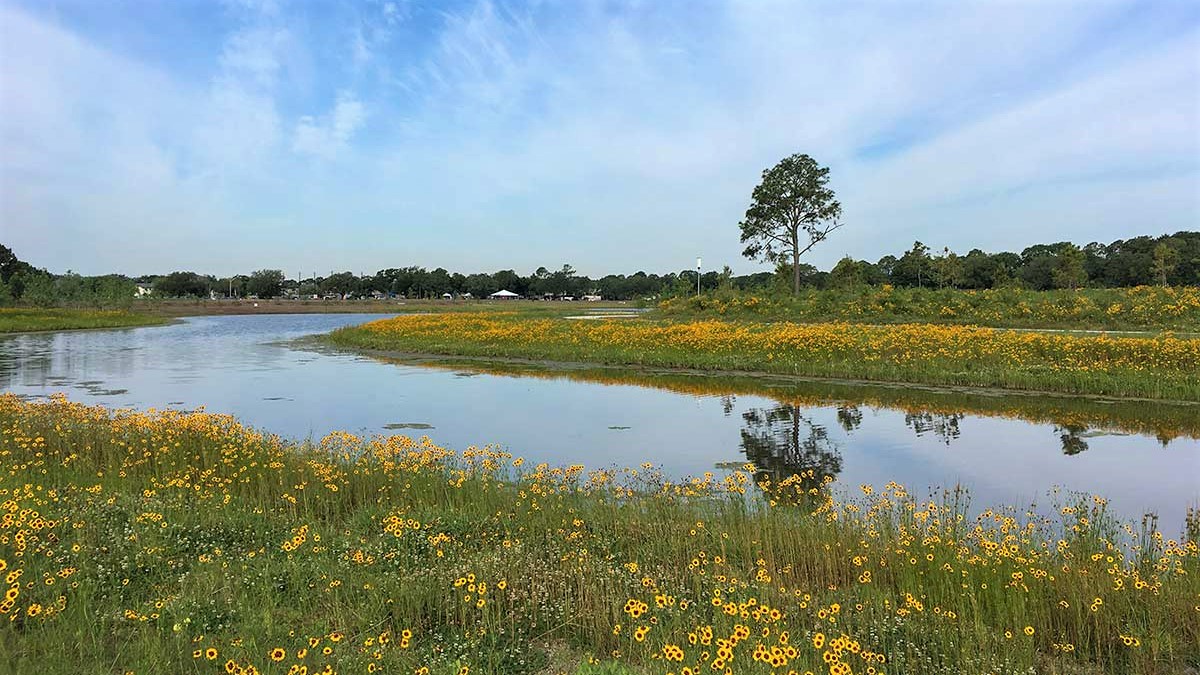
(1162, 367)
(186, 543)
(1144, 308)
(17, 320)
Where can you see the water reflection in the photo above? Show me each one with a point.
(1008, 449)
(933, 411)
(783, 443)
(943, 426)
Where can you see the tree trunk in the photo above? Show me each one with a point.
(795, 261)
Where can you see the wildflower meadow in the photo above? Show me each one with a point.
(184, 542)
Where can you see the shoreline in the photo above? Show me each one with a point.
(977, 360)
(551, 365)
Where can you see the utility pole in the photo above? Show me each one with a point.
(697, 277)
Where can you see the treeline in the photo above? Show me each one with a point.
(20, 281)
(1169, 260)
(1172, 260)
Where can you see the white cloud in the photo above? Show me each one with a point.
(331, 135)
(642, 128)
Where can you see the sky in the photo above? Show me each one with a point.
(315, 135)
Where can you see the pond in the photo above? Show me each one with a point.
(1006, 449)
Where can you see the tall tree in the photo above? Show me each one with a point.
(265, 284)
(791, 211)
(1166, 258)
(846, 274)
(1069, 271)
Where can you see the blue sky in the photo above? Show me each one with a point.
(477, 135)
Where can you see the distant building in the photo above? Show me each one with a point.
(592, 298)
(142, 290)
(504, 295)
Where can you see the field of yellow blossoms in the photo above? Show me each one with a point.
(1141, 307)
(173, 542)
(1162, 367)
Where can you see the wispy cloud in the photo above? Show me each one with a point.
(328, 137)
(615, 137)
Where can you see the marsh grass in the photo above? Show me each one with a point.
(1142, 308)
(26, 319)
(187, 543)
(1163, 367)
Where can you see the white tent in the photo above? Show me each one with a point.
(504, 295)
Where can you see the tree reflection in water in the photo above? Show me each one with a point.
(1071, 436)
(943, 425)
(783, 444)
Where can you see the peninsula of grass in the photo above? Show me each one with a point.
(1162, 367)
(173, 542)
(28, 319)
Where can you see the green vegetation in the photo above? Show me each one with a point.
(1145, 308)
(1170, 259)
(20, 320)
(792, 210)
(1161, 367)
(186, 543)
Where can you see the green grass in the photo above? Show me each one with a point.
(18, 320)
(1145, 308)
(163, 534)
(1156, 368)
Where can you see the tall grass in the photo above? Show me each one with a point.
(1162, 367)
(187, 543)
(1142, 308)
(24, 319)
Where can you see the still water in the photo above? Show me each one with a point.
(1145, 457)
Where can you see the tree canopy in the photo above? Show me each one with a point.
(791, 211)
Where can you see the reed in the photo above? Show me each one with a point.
(166, 541)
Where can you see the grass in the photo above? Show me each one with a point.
(1144, 308)
(187, 543)
(1163, 367)
(19, 320)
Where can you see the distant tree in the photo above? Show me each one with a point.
(978, 269)
(725, 278)
(265, 284)
(10, 264)
(949, 268)
(1166, 259)
(913, 268)
(792, 210)
(847, 273)
(1068, 268)
(39, 290)
(885, 266)
(510, 281)
(341, 283)
(181, 284)
(785, 275)
(562, 282)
